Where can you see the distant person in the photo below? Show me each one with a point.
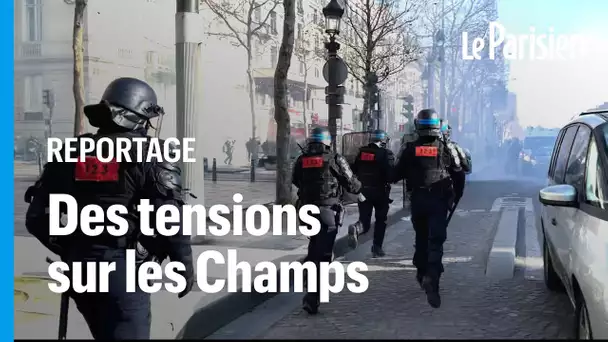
(373, 166)
(228, 149)
(249, 148)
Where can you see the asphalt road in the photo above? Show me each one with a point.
(394, 307)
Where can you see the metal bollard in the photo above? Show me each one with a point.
(214, 171)
(252, 170)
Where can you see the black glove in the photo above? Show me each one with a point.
(188, 274)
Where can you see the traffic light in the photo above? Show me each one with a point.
(408, 107)
(373, 97)
(48, 98)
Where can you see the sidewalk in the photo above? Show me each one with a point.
(215, 193)
(394, 307)
(197, 315)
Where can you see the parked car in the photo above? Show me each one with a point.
(574, 221)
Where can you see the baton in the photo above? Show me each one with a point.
(452, 212)
(63, 312)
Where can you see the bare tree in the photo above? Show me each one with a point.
(78, 50)
(456, 17)
(307, 53)
(378, 39)
(247, 26)
(281, 114)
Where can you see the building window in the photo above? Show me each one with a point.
(32, 94)
(273, 56)
(257, 13)
(315, 16)
(273, 22)
(302, 68)
(317, 72)
(126, 53)
(33, 20)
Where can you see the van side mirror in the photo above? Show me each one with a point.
(562, 195)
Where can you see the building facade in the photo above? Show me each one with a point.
(118, 43)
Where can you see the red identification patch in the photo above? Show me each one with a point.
(312, 162)
(368, 156)
(426, 151)
(93, 170)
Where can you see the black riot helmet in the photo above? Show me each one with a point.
(446, 129)
(131, 103)
(320, 135)
(379, 136)
(428, 123)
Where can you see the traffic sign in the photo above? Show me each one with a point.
(338, 68)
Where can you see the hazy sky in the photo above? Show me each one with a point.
(551, 92)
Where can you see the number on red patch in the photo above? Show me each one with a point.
(426, 151)
(93, 170)
(312, 162)
(367, 156)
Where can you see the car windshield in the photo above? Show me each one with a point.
(540, 145)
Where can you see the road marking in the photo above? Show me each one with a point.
(501, 261)
(512, 202)
(534, 260)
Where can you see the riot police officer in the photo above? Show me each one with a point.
(126, 108)
(319, 175)
(463, 154)
(373, 166)
(429, 166)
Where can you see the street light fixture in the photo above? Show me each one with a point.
(335, 71)
(333, 13)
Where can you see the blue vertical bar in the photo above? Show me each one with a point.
(7, 210)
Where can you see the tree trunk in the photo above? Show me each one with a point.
(78, 49)
(305, 101)
(251, 84)
(281, 115)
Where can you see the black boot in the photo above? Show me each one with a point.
(419, 276)
(377, 252)
(431, 287)
(310, 303)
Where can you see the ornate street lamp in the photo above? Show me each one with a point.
(333, 13)
(335, 71)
